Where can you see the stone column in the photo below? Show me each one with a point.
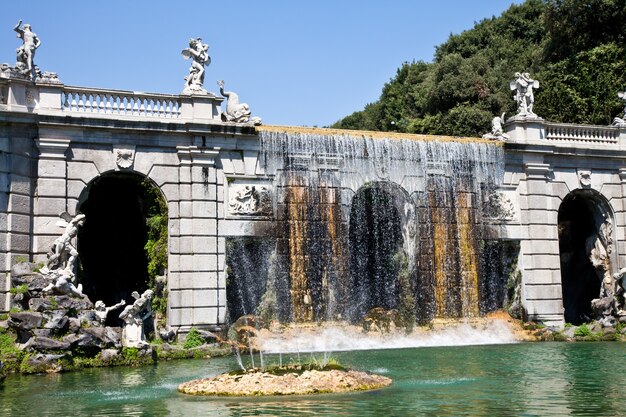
(196, 299)
(540, 261)
(51, 197)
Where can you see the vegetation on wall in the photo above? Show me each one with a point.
(575, 48)
(156, 245)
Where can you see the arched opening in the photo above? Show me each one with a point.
(123, 243)
(376, 244)
(585, 248)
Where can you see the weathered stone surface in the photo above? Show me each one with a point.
(99, 337)
(42, 332)
(41, 344)
(25, 320)
(109, 356)
(208, 336)
(73, 324)
(56, 320)
(61, 302)
(34, 281)
(40, 363)
(22, 268)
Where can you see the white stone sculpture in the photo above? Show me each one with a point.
(497, 132)
(621, 121)
(102, 311)
(124, 156)
(250, 200)
(235, 111)
(62, 284)
(63, 254)
(26, 52)
(198, 53)
(523, 86)
(133, 334)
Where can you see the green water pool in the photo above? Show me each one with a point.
(528, 379)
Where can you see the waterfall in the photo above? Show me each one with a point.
(378, 222)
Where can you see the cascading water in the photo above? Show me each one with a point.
(376, 222)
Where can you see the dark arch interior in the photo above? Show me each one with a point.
(375, 239)
(580, 281)
(111, 242)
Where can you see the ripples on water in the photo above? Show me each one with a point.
(541, 379)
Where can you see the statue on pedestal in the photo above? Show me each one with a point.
(26, 52)
(235, 111)
(198, 53)
(523, 86)
(497, 132)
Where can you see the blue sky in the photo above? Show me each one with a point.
(298, 63)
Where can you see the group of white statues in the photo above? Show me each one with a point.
(198, 53)
(60, 269)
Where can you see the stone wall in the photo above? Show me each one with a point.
(16, 199)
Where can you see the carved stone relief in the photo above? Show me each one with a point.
(584, 177)
(250, 200)
(124, 156)
(498, 206)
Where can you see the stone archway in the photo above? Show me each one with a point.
(115, 259)
(586, 249)
(380, 238)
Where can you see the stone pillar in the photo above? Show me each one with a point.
(540, 261)
(196, 298)
(51, 197)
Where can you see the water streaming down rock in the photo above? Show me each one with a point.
(370, 221)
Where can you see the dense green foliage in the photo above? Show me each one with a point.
(575, 48)
(156, 245)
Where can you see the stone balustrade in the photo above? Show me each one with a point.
(582, 133)
(120, 102)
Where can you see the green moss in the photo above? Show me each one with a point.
(193, 339)
(20, 289)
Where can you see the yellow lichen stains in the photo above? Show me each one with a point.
(468, 260)
(296, 199)
(440, 255)
(295, 130)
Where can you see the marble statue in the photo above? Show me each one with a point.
(102, 311)
(621, 121)
(497, 132)
(62, 284)
(26, 52)
(599, 248)
(235, 111)
(524, 96)
(63, 254)
(198, 53)
(133, 334)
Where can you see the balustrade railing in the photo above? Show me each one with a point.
(119, 102)
(581, 133)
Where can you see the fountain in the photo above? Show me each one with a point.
(370, 221)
